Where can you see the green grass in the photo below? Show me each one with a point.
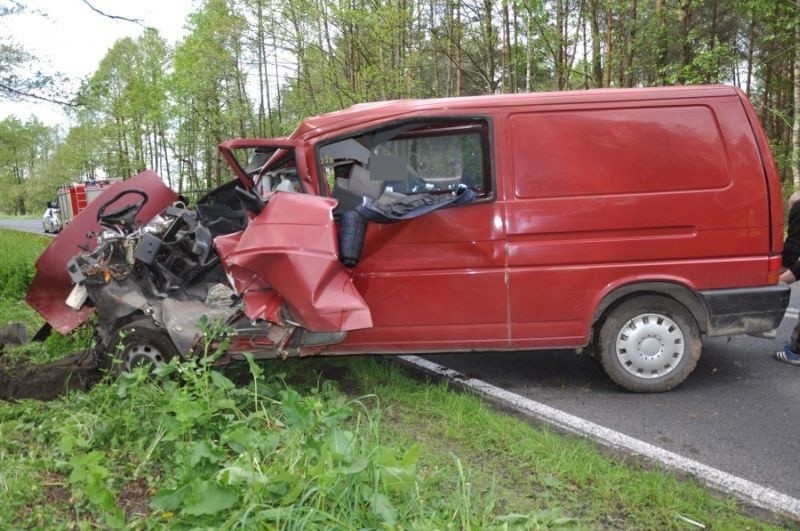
(191, 448)
(314, 444)
(18, 254)
(197, 447)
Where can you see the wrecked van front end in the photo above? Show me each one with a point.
(150, 269)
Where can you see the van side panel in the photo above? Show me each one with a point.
(602, 152)
(610, 194)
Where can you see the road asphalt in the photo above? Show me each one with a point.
(27, 225)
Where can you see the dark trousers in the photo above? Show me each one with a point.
(795, 345)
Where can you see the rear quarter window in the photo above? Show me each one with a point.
(617, 151)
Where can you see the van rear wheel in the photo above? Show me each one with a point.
(649, 344)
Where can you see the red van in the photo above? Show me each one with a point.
(634, 220)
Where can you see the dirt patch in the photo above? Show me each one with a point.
(56, 492)
(50, 380)
(135, 499)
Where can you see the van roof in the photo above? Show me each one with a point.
(367, 112)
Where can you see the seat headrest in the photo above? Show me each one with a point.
(359, 183)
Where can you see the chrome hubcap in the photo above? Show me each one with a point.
(650, 346)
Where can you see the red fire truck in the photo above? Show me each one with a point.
(73, 197)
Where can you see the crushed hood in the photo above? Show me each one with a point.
(290, 247)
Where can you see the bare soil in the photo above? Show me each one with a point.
(134, 499)
(50, 380)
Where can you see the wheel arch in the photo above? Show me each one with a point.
(673, 290)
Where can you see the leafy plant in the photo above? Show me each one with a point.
(214, 453)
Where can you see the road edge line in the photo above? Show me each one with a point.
(752, 493)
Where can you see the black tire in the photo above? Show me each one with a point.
(137, 343)
(649, 344)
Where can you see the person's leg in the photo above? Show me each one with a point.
(791, 353)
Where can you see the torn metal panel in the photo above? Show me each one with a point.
(180, 319)
(51, 286)
(291, 245)
(118, 300)
(263, 304)
(137, 253)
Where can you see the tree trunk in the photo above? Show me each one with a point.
(506, 48)
(457, 44)
(751, 45)
(597, 60)
(713, 77)
(262, 70)
(661, 43)
(609, 47)
(796, 117)
(561, 45)
(489, 43)
(628, 77)
(684, 25)
(528, 53)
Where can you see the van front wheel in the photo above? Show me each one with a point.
(140, 343)
(649, 344)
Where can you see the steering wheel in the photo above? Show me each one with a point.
(124, 215)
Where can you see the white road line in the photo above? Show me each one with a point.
(748, 491)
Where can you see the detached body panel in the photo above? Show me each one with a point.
(52, 284)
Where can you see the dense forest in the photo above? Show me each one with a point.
(256, 67)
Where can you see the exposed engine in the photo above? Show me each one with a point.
(167, 270)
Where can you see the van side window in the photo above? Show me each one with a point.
(436, 158)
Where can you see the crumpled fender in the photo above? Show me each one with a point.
(51, 285)
(291, 248)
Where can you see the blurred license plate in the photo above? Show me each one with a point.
(77, 296)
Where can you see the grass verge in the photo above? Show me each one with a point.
(18, 254)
